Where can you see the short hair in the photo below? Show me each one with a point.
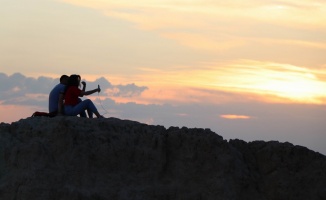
(63, 77)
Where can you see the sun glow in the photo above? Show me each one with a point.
(298, 88)
(285, 81)
(264, 80)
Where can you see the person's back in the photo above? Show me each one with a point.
(55, 94)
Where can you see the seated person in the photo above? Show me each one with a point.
(72, 106)
(54, 104)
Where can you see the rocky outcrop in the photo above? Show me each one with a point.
(77, 158)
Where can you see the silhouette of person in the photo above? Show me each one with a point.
(55, 106)
(72, 106)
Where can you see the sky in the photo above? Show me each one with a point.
(246, 69)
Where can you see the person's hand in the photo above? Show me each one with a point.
(83, 82)
(98, 89)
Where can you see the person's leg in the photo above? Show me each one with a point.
(90, 113)
(68, 110)
(75, 110)
(83, 113)
(86, 105)
(92, 109)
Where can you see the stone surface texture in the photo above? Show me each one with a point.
(71, 158)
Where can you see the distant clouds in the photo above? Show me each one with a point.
(241, 118)
(233, 9)
(220, 25)
(128, 90)
(235, 116)
(17, 89)
(119, 90)
(260, 80)
(270, 48)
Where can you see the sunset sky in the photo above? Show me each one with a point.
(246, 69)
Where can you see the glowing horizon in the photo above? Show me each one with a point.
(265, 80)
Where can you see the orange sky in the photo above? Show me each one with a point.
(265, 48)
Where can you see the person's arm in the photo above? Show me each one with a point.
(60, 104)
(83, 89)
(82, 93)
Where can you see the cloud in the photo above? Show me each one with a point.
(301, 124)
(239, 80)
(19, 82)
(231, 116)
(221, 25)
(18, 86)
(241, 9)
(129, 90)
(284, 80)
(102, 82)
(18, 89)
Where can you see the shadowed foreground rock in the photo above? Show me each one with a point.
(73, 158)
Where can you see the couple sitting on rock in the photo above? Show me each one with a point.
(64, 98)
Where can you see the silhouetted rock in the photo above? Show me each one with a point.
(77, 158)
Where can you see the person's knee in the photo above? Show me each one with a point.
(90, 105)
(87, 101)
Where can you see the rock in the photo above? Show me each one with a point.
(79, 158)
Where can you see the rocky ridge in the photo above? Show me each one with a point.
(78, 158)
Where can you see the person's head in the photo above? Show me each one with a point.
(74, 80)
(64, 79)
